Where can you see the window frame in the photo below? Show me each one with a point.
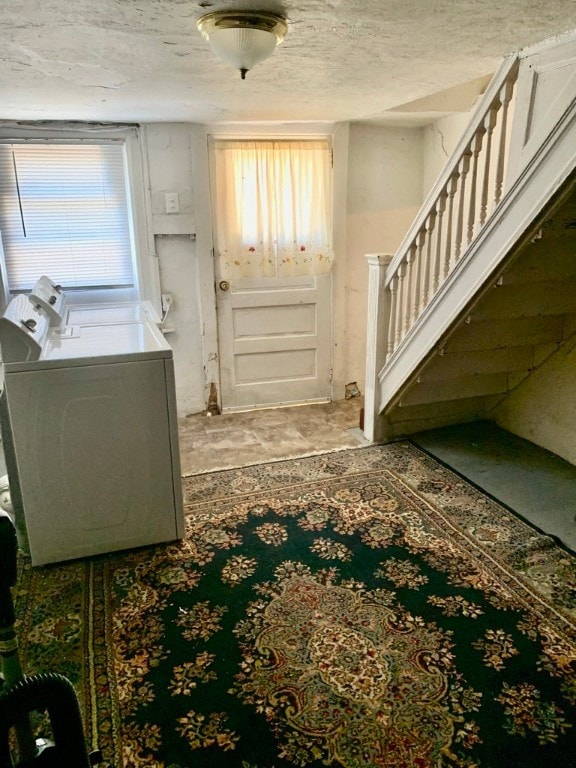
(146, 279)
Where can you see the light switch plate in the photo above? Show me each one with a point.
(172, 205)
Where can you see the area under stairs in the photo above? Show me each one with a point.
(536, 484)
(516, 324)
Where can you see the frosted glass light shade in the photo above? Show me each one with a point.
(242, 38)
(242, 47)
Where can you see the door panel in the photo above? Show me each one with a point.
(272, 366)
(275, 338)
(300, 318)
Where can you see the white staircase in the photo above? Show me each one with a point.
(483, 288)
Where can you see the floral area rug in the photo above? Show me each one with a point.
(361, 608)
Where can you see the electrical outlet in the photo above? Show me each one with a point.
(167, 302)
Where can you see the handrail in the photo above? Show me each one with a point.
(456, 209)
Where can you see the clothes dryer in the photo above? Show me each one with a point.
(90, 433)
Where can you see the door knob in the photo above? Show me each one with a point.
(224, 285)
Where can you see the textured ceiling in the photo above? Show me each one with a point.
(144, 60)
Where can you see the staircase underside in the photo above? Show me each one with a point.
(523, 316)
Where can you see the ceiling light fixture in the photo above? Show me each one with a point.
(243, 38)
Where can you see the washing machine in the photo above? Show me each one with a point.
(90, 433)
(61, 312)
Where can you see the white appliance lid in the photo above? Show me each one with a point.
(99, 314)
(90, 341)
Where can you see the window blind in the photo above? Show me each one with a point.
(64, 213)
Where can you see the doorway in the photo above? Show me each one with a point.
(272, 218)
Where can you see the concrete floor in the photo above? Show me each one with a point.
(537, 484)
(209, 443)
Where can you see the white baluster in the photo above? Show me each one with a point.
(472, 214)
(464, 167)
(411, 280)
(401, 299)
(505, 97)
(489, 123)
(440, 207)
(449, 253)
(392, 288)
(418, 300)
(428, 264)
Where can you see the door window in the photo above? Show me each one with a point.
(272, 207)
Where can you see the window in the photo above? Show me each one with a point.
(64, 212)
(272, 207)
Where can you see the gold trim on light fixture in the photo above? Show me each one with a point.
(243, 38)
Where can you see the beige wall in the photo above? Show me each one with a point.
(169, 160)
(378, 193)
(384, 194)
(543, 408)
(439, 140)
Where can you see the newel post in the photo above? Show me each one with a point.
(378, 318)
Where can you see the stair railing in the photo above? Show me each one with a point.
(465, 194)
(459, 204)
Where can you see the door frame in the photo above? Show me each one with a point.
(199, 147)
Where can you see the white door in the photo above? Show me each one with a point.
(273, 242)
(274, 340)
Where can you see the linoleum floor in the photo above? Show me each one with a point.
(209, 443)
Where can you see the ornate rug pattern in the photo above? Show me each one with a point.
(360, 608)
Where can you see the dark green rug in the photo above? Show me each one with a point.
(360, 608)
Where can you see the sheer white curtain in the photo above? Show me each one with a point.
(273, 207)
